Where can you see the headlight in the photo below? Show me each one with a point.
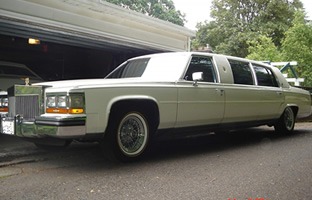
(51, 101)
(4, 104)
(72, 103)
(62, 101)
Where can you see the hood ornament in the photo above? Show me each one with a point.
(26, 80)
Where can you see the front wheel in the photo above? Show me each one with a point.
(128, 136)
(286, 122)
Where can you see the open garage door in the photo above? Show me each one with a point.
(79, 38)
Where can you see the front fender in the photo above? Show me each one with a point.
(125, 98)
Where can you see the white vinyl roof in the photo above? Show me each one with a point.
(93, 23)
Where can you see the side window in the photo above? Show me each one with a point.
(241, 72)
(201, 64)
(265, 76)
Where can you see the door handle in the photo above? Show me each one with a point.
(220, 91)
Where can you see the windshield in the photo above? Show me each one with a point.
(165, 67)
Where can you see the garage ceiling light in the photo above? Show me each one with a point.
(33, 41)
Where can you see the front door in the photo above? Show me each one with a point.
(202, 103)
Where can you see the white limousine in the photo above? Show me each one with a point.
(160, 94)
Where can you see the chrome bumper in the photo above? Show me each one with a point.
(44, 127)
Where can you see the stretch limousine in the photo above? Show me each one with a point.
(168, 94)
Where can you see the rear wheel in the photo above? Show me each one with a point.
(286, 122)
(128, 136)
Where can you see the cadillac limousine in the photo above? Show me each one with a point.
(160, 94)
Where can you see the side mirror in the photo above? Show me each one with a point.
(197, 76)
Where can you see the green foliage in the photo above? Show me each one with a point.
(297, 46)
(263, 48)
(161, 9)
(205, 29)
(238, 21)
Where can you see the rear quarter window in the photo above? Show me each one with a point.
(265, 76)
(131, 69)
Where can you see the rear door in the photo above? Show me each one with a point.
(271, 94)
(255, 94)
(242, 97)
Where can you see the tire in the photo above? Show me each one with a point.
(128, 136)
(286, 123)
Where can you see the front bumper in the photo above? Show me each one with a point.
(43, 127)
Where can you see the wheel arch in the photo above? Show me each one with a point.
(294, 107)
(145, 104)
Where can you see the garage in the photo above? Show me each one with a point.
(70, 39)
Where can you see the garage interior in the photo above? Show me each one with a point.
(54, 61)
(81, 39)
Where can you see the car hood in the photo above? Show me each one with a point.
(91, 83)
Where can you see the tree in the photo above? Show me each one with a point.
(237, 21)
(263, 48)
(297, 46)
(161, 9)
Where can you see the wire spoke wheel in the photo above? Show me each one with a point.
(286, 123)
(132, 134)
(289, 119)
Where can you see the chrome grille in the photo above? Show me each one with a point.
(25, 101)
(25, 106)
